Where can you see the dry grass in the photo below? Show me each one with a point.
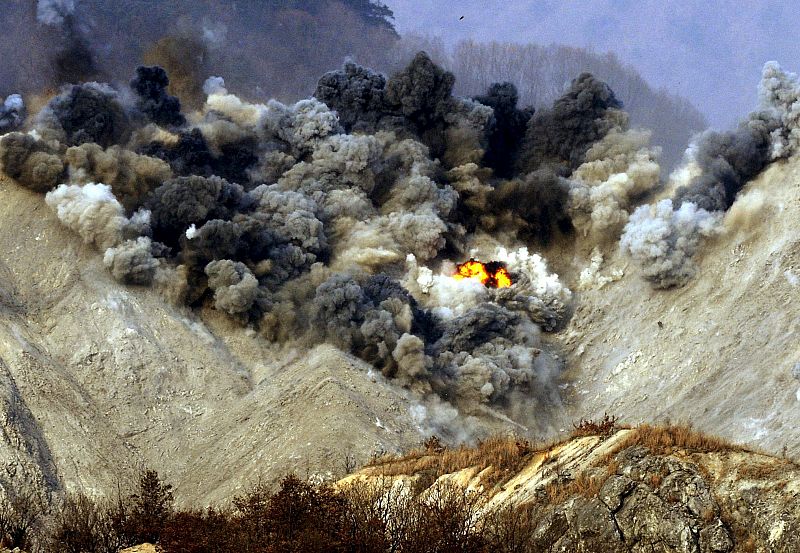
(669, 439)
(506, 455)
(769, 468)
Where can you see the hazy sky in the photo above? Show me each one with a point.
(710, 51)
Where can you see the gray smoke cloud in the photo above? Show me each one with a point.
(12, 113)
(235, 288)
(132, 261)
(338, 218)
(31, 162)
(132, 177)
(560, 137)
(664, 238)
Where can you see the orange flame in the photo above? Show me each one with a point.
(491, 275)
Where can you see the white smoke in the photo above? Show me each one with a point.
(779, 91)
(53, 12)
(591, 278)
(90, 210)
(663, 240)
(540, 281)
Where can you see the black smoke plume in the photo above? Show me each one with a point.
(560, 136)
(728, 160)
(89, 112)
(150, 85)
(73, 60)
(507, 128)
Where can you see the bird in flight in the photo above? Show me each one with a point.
(460, 18)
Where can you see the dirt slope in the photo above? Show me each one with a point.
(100, 379)
(719, 352)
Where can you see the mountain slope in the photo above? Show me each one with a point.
(100, 380)
(718, 352)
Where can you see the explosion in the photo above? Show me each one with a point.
(492, 275)
(294, 220)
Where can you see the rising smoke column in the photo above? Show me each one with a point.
(546, 184)
(618, 170)
(664, 238)
(560, 137)
(507, 128)
(150, 85)
(73, 61)
(415, 102)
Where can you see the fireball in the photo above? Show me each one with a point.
(492, 274)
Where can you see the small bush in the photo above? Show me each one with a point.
(83, 526)
(19, 516)
(604, 427)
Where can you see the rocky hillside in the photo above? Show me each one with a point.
(719, 351)
(647, 488)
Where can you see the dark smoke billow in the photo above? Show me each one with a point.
(31, 162)
(507, 128)
(559, 137)
(337, 219)
(150, 85)
(87, 113)
(665, 237)
(73, 60)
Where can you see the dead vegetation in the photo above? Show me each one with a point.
(604, 427)
(505, 455)
(584, 485)
(377, 513)
(668, 439)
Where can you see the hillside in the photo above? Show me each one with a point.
(229, 294)
(624, 490)
(101, 379)
(718, 352)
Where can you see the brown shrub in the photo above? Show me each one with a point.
(667, 439)
(210, 531)
(604, 427)
(509, 530)
(83, 526)
(20, 515)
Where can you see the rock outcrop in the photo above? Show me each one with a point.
(632, 491)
